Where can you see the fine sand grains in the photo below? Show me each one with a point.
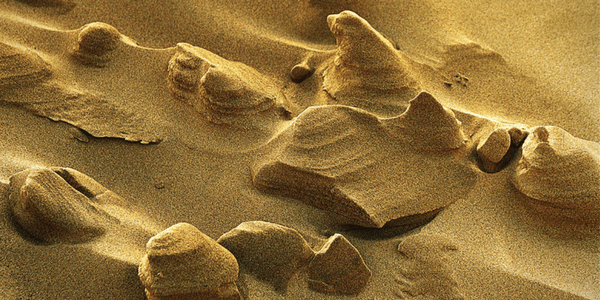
(425, 272)
(330, 144)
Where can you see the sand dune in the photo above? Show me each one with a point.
(299, 150)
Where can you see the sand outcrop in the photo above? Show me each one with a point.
(225, 92)
(367, 70)
(59, 205)
(95, 42)
(309, 114)
(425, 271)
(338, 268)
(364, 170)
(561, 172)
(20, 67)
(272, 252)
(183, 263)
(427, 125)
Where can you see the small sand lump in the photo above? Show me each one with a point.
(300, 72)
(493, 149)
(58, 205)
(95, 41)
(184, 263)
(272, 252)
(338, 268)
(517, 135)
(495, 146)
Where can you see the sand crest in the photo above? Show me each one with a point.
(427, 125)
(367, 70)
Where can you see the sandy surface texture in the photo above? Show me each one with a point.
(299, 149)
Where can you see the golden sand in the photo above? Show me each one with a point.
(332, 149)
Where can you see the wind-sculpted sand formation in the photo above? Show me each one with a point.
(184, 263)
(367, 170)
(367, 71)
(224, 91)
(59, 205)
(290, 150)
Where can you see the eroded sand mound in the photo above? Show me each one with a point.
(370, 171)
(561, 173)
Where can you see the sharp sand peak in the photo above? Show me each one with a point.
(366, 70)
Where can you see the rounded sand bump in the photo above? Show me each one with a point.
(428, 125)
(367, 71)
(20, 67)
(94, 42)
(272, 252)
(517, 135)
(338, 268)
(560, 170)
(183, 263)
(58, 205)
(300, 72)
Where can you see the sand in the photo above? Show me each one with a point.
(450, 149)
